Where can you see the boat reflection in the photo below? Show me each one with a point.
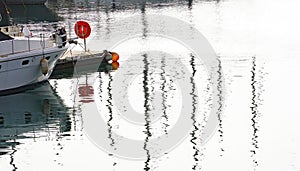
(30, 114)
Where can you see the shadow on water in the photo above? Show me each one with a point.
(33, 114)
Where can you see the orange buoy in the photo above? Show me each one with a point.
(115, 65)
(115, 57)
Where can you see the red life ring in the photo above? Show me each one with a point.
(82, 29)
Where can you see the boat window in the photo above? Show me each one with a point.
(0, 67)
(25, 62)
(48, 57)
(27, 117)
(1, 119)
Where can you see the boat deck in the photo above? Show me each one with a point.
(81, 54)
(85, 58)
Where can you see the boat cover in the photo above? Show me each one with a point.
(4, 37)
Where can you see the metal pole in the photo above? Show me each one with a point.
(12, 47)
(28, 45)
(84, 45)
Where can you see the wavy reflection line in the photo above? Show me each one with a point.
(164, 94)
(12, 159)
(144, 21)
(113, 5)
(190, 4)
(193, 116)
(220, 103)
(100, 86)
(152, 92)
(109, 107)
(147, 110)
(254, 111)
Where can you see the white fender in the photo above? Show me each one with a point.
(44, 66)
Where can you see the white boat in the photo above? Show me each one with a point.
(27, 60)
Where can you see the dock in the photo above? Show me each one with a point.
(82, 63)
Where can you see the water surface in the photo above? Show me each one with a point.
(141, 103)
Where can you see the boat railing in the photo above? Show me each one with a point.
(15, 46)
(40, 37)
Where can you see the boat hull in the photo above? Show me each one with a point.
(16, 72)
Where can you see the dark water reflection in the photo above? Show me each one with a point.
(33, 114)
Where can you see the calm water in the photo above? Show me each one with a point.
(152, 113)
